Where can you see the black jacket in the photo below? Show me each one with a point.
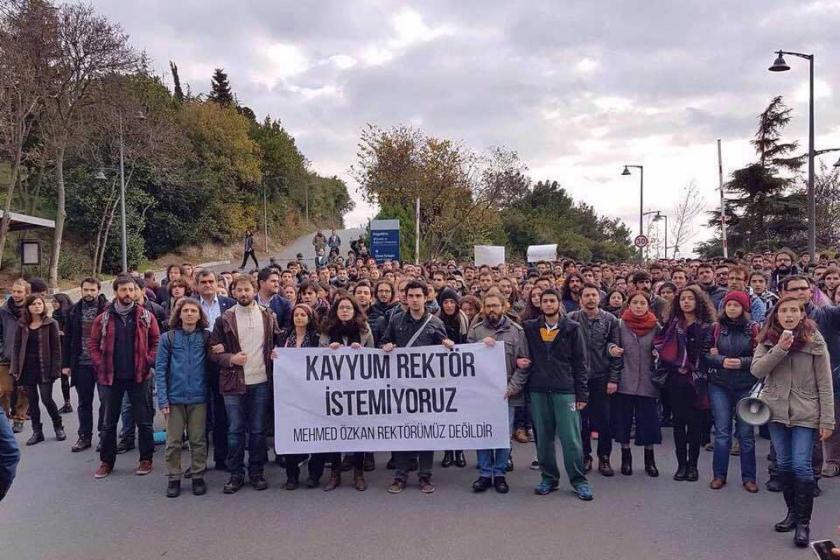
(734, 340)
(562, 367)
(599, 334)
(72, 341)
(402, 327)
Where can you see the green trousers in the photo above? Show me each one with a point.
(193, 419)
(554, 416)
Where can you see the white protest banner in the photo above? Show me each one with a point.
(491, 255)
(542, 253)
(409, 399)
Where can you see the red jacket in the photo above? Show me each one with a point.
(101, 344)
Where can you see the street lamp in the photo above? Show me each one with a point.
(779, 65)
(641, 169)
(100, 176)
(657, 217)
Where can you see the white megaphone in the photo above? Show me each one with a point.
(751, 409)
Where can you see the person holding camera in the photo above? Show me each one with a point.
(792, 357)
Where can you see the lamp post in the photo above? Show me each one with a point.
(641, 169)
(100, 176)
(779, 65)
(657, 217)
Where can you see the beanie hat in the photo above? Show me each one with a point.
(447, 293)
(740, 297)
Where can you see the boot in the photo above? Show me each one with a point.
(626, 462)
(682, 465)
(37, 436)
(804, 505)
(335, 478)
(788, 524)
(650, 464)
(60, 435)
(604, 466)
(460, 460)
(692, 474)
(359, 480)
(448, 459)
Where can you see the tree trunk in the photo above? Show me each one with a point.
(60, 213)
(10, 192)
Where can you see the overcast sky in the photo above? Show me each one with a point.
(577, 87)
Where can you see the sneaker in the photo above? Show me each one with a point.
(831, 470)
(199, 487)
(397, 486)
(17, 426)
(535, 465)
(544, 488)
(233, 485)
(144, 468)
(81, 444)
(584, 492)
(103, 470)
(125, 446)
(258, 482)
(426, 486)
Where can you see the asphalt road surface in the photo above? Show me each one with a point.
(57, 510)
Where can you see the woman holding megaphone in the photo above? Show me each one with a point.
(734, 338)
(793, 358)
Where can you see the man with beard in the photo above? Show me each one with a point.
(76, 361)
(497, 327)
(600, 329)
(706, 280)
(13, 399)
(268, 283)
(122, 346)
(783, 267)
(642, 281)
(571, 291)
(247, 334)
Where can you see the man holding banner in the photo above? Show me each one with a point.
(498, 327)
(558, 387)
(416, 327)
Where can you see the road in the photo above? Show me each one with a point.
(57, 511)
(302, 244)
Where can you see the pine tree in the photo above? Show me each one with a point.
(220, 91)
(179, 93)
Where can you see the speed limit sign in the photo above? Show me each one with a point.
(640, 241)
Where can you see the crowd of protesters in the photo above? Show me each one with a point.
(606, 351)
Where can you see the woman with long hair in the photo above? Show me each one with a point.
(792, 358)
(345, 325)
(508, 288)
(730, 357)
(456, 325)
(682, 346)
(302, 334)
(635, 394)
(532, 306)
(36, 363)
(615, 302)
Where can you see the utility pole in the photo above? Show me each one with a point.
(722, 203)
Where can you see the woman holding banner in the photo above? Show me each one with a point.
(344, 325)
(303, 334)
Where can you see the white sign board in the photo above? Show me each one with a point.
(409, 399)
(491, 255)
(542, 253)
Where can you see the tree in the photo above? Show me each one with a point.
(179, 93)
(220, 91)
(683, 216)
(91, 49)
(827, 192)
(28, 51)
(765, 211)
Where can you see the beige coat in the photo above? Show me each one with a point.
(798, 386)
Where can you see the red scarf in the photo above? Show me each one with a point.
(639, 325)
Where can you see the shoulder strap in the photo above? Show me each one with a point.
(715, 334)
(418, 331)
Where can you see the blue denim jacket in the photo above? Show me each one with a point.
(180, 375)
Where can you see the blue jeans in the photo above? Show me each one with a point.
(493, 462)
(247, 413)
(794, 446)
(9, 455)
(723, 401)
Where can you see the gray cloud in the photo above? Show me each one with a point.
(576, 87)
